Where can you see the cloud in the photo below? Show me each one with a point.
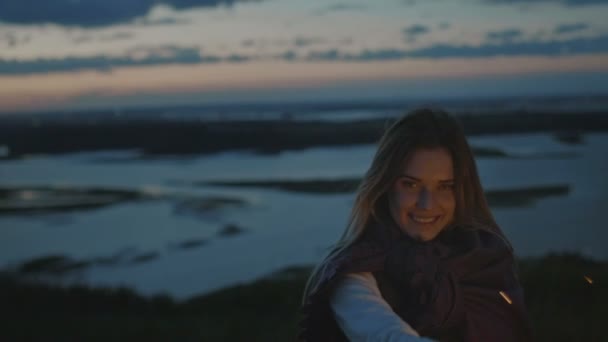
(90, 13)
(147, 56)
(570, 3)
(437, 51)
(117, 36)
(328, 55)
(339, 8)
(298, 41)
(166, 21)
(264, 43)
(364, 56)
(81, 39)
(504, 36)
(143, 56)
(288, 56)
(414, 31)
(569, 28)
(529, 48)
(306, 41)
(12, 39)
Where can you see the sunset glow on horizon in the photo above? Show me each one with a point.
(219, 51)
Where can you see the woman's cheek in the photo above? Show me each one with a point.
(447, 199)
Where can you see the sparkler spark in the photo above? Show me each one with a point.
(589, 280)
(505, 297)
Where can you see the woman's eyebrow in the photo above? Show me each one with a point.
(410, 177)
(451, 180)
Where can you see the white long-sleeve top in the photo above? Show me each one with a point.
(364, 315)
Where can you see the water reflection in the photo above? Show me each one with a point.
(261, 213)
(48, 199)
(518, 197)
(230, 230)
(209, 208)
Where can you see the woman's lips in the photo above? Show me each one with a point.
(424, 219)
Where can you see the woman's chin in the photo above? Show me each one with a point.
(423, 235)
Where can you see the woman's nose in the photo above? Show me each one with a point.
(425, 199)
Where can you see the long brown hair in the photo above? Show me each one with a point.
(421, 128)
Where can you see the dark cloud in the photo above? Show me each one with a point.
(248, 42)
(135, 57)
(531, 48)
(306, 41)
(568, 28)
(13, 39)
(235, 58)
(328, 55)
(81, 39)
(90, 13)
(191, 56)
(504, 35)
(288, 56)
(380, 55)
(345, 41)
(167, 21)
(299, 41)
(364, 56)
(339, 8)
(571, 3)
(264, 43)
(414, 31)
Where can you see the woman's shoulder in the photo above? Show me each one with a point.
(467, 237)
(366, 254)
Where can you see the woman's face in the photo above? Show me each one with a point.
(422, 200)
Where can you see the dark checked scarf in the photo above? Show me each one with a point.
(461, 286)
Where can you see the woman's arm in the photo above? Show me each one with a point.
(363, 315)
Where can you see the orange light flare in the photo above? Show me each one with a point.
(589, 280)
(505, 297)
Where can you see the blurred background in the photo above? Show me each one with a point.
(182, 147)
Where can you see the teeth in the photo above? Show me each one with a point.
(423, 219)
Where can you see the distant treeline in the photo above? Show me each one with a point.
(45, 135)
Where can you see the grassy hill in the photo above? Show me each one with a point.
(567, 297)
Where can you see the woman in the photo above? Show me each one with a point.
(422, 254)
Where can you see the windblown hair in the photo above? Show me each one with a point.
(421, 128)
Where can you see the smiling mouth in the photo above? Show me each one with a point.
(424, 220)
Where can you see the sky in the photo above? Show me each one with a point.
(81, 54)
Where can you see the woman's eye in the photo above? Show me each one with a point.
(409, 184)
(447, 186)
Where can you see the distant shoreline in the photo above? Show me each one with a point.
(161, 136)
(502, 104)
